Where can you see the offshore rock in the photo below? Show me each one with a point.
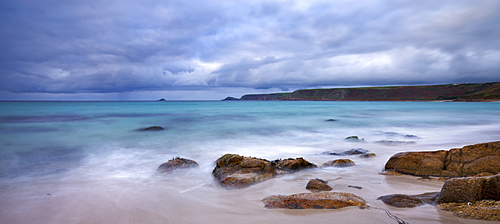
(318, 185)
(409, 201)
(349, 152)
(235, 171)
(339, 163)
(472, 160)
(319, 200)
(152, 128)
(176, 163)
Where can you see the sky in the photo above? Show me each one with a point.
(207, 50)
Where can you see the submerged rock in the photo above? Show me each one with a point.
(177, 163)
(319, 200)
(479, 159)
(318, 185)
(358, 151)
(409, 201)
(152, 128)
(354, 138)
(339, 163)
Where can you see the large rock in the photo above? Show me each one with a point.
(485, 210)
(472, 197)
(470, 160)
(470, 189)
(176, 163)
(409, 201)
(319, 200)
(235, 171)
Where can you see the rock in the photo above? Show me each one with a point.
(319, 200)
(235, 171)
(339, 163)
(354, 139)
(479, 159)
(331, 120)
(176, 163)
(368, 155)
(291, 165)
(152, 128)
(472, 197)
(390, 173)
(349, 152)
(162, 99)
(353, 186)
(409, 201)
(470, 189)
(318, 185)
(485, 210)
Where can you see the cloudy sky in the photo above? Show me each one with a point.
(193, 49)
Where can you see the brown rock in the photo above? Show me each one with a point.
(291, 165)
(318, 185)
(235, 171)
(320, 200)
(470, 189)
(460, 162)
(176, 163)
(409, 201)
(485, 210)
(339, 163)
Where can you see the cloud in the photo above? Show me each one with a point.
(130, 46)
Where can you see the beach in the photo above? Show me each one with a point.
(85, 162)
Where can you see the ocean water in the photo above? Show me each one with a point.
(85, 162)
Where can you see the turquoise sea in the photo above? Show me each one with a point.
(85, 162)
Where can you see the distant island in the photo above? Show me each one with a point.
(473, 92)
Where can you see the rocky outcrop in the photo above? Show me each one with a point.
(472, 198)
(315, 185)
(152, 128)
(409, 201)
(235, 171)
(479, 159)
(339, 163)
(485, 210)
(470, 189)
(177, 163)
(319, 200)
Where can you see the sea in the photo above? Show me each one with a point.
(86, 162)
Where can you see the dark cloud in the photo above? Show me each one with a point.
(93, 46)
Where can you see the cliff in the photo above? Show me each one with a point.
(451, 92)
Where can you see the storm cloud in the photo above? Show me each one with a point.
(217, 48)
